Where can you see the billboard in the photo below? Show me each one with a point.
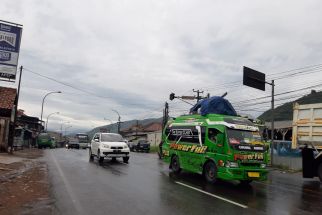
(10, 38)
(253, 78)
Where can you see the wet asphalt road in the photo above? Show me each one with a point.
(146, 186)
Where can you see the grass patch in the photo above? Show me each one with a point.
(154, 149)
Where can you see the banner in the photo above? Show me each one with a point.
(10, 37)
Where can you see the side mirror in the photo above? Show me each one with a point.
(96, 140)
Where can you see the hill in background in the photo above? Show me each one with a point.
(124, 125)
(285, 111)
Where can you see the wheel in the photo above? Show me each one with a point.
(320, 171)
(175, 164)
(210, 172)
(100, 159)
(113, 159)
(245, 182)
(126, 159)
(91, 157)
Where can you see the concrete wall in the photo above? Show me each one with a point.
(154, 138)
(294, 163)
(285, 156)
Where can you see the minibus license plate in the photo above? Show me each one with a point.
(253, 174)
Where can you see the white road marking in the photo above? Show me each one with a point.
(213, 195)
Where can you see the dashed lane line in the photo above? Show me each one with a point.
(213, 195)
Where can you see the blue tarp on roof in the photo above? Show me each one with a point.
(214, 105)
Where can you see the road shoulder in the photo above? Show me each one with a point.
(24, 184)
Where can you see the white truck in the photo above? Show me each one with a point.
(307, 135)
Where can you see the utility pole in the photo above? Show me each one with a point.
(15, 114)
(119, 121)
(257, 80)
(272, 122)
(136, 130)
(198, 94)
(165, 115)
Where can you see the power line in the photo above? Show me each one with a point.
(287, 92)
(299, 73)
(296, 69)
(63, 83)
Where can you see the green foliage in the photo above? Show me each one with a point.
(285, 111)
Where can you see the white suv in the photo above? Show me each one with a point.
(109, 145)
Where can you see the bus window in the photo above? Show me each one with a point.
(212, 134)
(187, 134)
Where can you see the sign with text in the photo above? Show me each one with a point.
(10, 37)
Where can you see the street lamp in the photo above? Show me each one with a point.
(108, 120)
(66, 129)
(43, 100)
(61, 129)
(48, 118)
(119, 121)
(109, 124)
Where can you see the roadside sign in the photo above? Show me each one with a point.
(10, 38)
(253, 78)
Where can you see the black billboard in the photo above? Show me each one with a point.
(253, 78)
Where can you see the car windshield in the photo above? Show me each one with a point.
(112, 138)
(44, 136)
(143, 142)
(236, 137)
(82, 138)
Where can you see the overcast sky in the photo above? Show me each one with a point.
(129, 55)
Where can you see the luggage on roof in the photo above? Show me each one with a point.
(214, 105)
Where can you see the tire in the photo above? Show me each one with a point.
(175, 164)
(126, 159)
(245, 182)
(100, 159)
(210, 172)
(320, 171)
(91, 157)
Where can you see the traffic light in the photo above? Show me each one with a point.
(172, 96)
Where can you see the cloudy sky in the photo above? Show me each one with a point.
(129, 55)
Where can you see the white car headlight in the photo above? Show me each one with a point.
(106, 146)
(125, 146)
(231, 164)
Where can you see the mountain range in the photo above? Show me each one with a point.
(285, 111)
